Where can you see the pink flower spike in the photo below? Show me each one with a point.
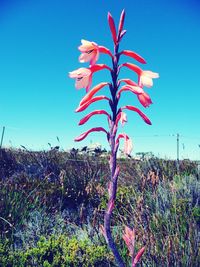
(121, 23)
(146, 78)
(90, 52)
(112, 27)
(92, 92)
(84, 135)
(145, 99)
(83, 78)
(98, 67)
(104, 50)
(133, 67)
(87, 117)
(94, 99)
(142, 115)
(138, 256)
(133, 55)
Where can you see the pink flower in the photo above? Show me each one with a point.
(129, 238)
(87, 117)
(127, 143)
(146, 78)
(122, 117)
(83, 78)
(112, 27)
(138, 256)
(92, 92)
(142, 115)
(89, 102)
(90, 52)
(134, 89)
(145, 99)
(85, 134)
(133, 55)
(121, 24)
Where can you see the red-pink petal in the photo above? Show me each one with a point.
(134, 89)
(129, 82)
(121, 22)
(87, 117)
(98, 67)
(94, 99)
(133, 55)
(133, 67)
(92, 92)
(143, 116)
(84, 135)
(138, 256)
(112, 27)
(104, 50)
(145, 99)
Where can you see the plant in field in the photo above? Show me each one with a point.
(90, 52)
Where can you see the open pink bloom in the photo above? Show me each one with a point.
(83, 78)
(146, 78)
(127, 143)
(84, 135)
(90, 52)
(87, 117)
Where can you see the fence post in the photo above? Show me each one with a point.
(2, 137)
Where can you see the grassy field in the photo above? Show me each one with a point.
(52, 203)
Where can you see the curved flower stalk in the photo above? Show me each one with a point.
(90, 52)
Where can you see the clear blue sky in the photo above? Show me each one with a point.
(38, 47)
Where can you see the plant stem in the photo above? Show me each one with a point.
(113, 161)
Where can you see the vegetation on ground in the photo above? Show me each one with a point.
(52, 204)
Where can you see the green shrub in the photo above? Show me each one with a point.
(57, 251)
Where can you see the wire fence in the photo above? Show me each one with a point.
(185, 145)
